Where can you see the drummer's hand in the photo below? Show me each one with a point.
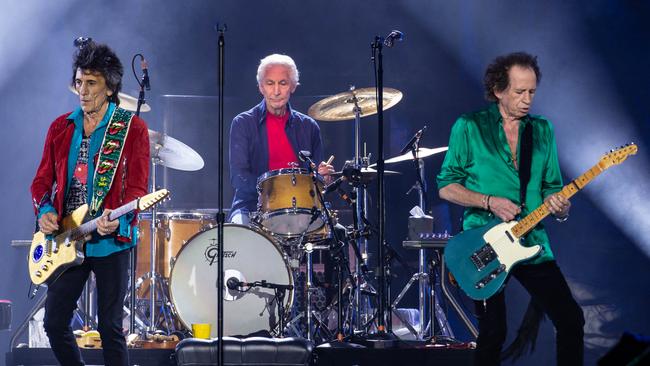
(47, 223)
(104, 226)
(326, 170)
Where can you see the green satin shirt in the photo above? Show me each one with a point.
(479, 158)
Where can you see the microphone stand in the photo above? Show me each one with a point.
(220, 215)
(383, 338)
(133, 254)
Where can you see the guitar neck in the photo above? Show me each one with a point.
(527, 224)
(88, 227)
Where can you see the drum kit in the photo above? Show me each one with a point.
(174, 281)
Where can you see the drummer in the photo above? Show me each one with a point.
(270, 135)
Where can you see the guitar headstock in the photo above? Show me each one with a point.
(151, 199)
(617, 156)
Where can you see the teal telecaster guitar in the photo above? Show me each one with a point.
(481, 258)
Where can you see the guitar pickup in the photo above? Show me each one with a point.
(482, 257)
(490, 276)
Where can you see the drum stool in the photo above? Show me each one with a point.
(245, 351)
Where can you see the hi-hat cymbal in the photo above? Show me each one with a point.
(126, 101)
(340, 107)
(169, 152)
(423, 152)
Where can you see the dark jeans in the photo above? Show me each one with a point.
(549, 289)
(111, 275)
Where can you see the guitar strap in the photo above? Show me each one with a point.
(525, 161)
(109, 156)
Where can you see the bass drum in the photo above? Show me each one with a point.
(249, 255)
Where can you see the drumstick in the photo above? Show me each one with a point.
(330, 160)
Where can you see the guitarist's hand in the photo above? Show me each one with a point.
(503, 208)
(47, 224)
(558, 205)
(104, 226)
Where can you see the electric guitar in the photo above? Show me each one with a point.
(481, 258)
(50, 256)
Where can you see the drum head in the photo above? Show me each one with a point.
(249, 256)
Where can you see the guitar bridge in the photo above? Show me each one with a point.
(492, 275)
(482, 257)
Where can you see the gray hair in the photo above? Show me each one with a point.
(282, 60)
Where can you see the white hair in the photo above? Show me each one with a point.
(277, 59)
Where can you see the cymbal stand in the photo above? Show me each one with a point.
(421, 276)
(156, 282)
(361, 311)
(153, 242)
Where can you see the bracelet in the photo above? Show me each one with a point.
(485, 201)
(562, 219)
(488, 202)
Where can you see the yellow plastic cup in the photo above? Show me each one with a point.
(201, 330)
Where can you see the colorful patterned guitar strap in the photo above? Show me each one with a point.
(109, 156)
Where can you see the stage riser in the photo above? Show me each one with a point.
(322, 357)
(392, 357)
(44, 356)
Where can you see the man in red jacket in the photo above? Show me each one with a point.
(96, 155)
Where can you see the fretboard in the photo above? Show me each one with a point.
(86, 228)
(527, 224)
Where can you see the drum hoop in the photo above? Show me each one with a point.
(177, 215)
(284, 212)
(283, 171)
(290, 297)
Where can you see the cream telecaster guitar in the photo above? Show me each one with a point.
(481, 258)
(48, 258)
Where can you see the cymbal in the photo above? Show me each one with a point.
(126, 101)
(368, 174)
(340, 107)
(169, 152)
(423, 152)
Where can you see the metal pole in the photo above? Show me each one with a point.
(220, 215)
(422, 280)
(153, 235)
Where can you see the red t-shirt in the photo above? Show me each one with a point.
(280, 150)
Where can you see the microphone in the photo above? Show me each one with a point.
(334, 185)
(393, 36)
(81, 42)
(304, 156)
(413, 141)
(233, 283)
(315, 212)
(145, 74)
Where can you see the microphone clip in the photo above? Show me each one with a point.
(414, 141)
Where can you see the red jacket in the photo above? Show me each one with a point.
(131, 177)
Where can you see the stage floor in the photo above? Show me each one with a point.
(403, 356)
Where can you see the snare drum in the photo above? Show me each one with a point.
(288, 204)
(249, 255)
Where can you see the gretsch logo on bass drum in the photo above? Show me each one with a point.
(211, 252)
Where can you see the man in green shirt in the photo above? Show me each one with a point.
(481, 173)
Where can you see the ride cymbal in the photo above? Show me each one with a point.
(340, 107)
(423, 152)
